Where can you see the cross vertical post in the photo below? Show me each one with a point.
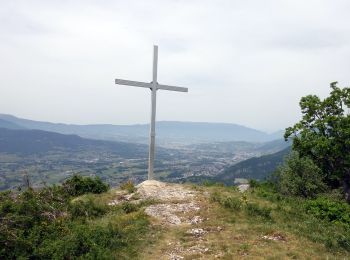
(154, 86)
(153, 116)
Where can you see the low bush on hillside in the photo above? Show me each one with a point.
(50, 223)
(78, 185)
(332, 211)
(87, 209)
(236, 204)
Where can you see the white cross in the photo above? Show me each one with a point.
(154, 86)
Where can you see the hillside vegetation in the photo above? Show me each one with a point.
(70, 222)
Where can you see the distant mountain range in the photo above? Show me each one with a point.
(9, 125)
(26, 141)
(167, 131)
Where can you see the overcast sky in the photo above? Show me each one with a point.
(246, 62)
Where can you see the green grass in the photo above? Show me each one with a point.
(268, 211)
(50, 223)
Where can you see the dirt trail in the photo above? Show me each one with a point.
(178, 212)
(176, 206)
(181, 214)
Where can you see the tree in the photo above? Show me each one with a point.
(299, 176)
(323, 135)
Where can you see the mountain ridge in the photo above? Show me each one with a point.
(174, 131)
(28, 141)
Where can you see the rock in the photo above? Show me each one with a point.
(152, 189)
(243, 187)
(175, 257)
(275, 237)
(196, 220)
(197, 232)
(168, 212)
(219, 228)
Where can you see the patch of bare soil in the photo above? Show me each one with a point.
(176, 203)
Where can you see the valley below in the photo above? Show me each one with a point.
(40, 153)
(180, 164)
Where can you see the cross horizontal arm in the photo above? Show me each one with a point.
(149, 85)
(133, 83)
(172, 88)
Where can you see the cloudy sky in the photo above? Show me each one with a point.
(245, 62)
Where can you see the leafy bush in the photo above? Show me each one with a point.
(231, 203)
(329, 210)
(253, 183)
(87, 208)
(299, 176)
(47, 224)
(78, 185)
(129, 207)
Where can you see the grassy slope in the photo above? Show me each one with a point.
(233, 229)
(236, 232)
(242, 230)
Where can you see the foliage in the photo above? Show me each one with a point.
(253, 183)
(329, 210)
(88, 208)
(323, 135)
(128, 186)
(236, 204)
(129, 207)
(49, 223)
(78, 185)
(299, 176)
(323, 220)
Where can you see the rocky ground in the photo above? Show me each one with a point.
(182, 212)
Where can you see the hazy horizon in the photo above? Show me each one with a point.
(244, 62)
(145, 123)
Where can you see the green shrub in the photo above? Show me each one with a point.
(47, 224)
(82, 241)
(329, 210)
(129, 207)
(253, 183)
(78, 185)
(87, 208)
(231, 203)
(215, 197)
(129, 186)
(299, 176)
(227, 202)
